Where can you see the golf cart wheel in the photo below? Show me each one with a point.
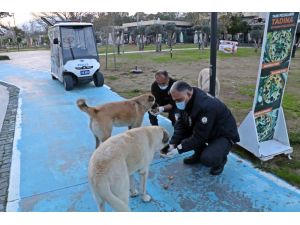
(68, 82)
(98, 79)
(53, 77)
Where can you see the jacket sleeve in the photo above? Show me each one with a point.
(155, 92)
(203, 126)
(179, 131)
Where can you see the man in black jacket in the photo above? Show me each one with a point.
(205, 125)
(163, 101)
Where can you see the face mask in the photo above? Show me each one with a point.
(163, 87)
(181, 105)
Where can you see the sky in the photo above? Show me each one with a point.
(24, 17)
(20, 18)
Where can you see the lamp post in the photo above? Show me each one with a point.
(213, 53)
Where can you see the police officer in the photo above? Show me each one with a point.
(205, 125)
(163, 101)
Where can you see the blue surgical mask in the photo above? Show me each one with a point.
(181, 105)
(163, 87)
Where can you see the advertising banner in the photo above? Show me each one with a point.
(274, 66)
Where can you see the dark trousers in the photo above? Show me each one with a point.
(154, 121)
(214, 153)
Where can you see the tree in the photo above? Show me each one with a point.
(197, 18)
(256, 35)
(168, 15)
(141, 31)
(237, 25)
(206, 32)
(19, 34)
(234, 25)
(3, 15)
(198, 32)
(224, 23)
(156, 30)
(170, 29)
(119, 38)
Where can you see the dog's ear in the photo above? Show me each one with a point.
(151, 98)
(165, 137)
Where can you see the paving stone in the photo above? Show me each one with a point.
(6, 142)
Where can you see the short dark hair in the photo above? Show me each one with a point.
(181, 86)
(162, 72)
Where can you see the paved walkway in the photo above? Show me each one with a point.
(53, 146)
(3, 103)
(9, 95)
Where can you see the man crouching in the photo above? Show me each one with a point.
(205, 125)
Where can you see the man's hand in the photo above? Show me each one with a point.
(157, 111)
(161, 109)
(171, 147)
(172, 153)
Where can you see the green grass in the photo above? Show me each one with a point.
(239, 104)
(184, 56)
(247, 90)
(280, 166)
(23, 49)
(130, 93)
(242, 52)
(286, 174)
(128, 47)
(291, 103)
(112, 78)
(294, 137)
(294, 76)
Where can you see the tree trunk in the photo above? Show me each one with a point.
(142, 43)
(106, 49)
(119, 47)
(255, 46)
(156, 42)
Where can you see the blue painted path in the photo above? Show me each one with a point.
(54, 144)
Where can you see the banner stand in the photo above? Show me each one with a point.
(264, 132)
(266, 150)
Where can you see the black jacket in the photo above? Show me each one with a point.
(205, 118)
(162, 97)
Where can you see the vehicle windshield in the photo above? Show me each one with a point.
(78, 42)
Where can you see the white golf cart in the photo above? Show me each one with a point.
(74, 55)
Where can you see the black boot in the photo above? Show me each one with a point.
(218, 169)
(193, 159)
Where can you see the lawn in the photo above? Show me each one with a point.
(23, 49)
(132, 47)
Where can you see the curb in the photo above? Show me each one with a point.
(6, 142)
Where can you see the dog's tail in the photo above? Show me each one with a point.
(84, 107)
(114, 201)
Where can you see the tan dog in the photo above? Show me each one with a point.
(204, 81)
(114, 161)
(124, 113)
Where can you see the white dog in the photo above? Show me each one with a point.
(204, 81)
(113, 163)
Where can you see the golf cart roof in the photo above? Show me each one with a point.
(72, 24)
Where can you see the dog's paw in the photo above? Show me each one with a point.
(134, 193)
(146, 198)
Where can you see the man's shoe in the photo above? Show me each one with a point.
(193, 159)
(218, 169)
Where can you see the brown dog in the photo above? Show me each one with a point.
(124, 113)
